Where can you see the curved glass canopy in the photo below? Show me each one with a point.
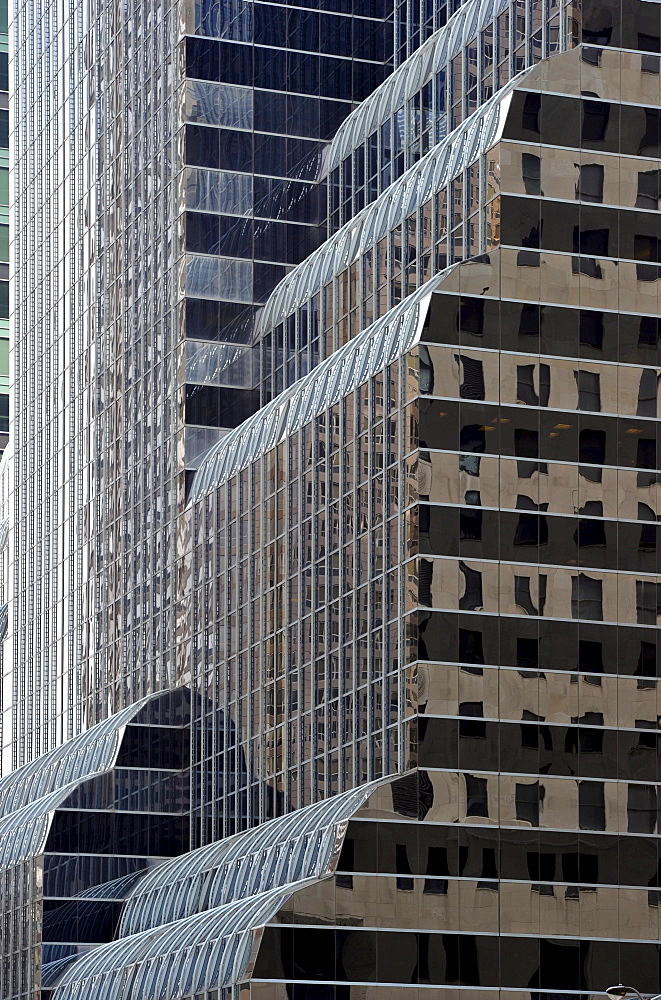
(23, 832)
(90, 753)
(411, 76)
(207, 951)
(300, 845)
(243, 881)
(379, 344)
(476, 135)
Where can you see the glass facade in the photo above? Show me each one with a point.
(4, 229)
(332, 546)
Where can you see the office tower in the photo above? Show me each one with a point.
(398, 723)
(4, 231)
(177, 190)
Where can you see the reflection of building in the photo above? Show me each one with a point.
(412, 723)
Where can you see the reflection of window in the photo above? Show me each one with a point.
(590, 186)
(588, 740)
(532, 529)
(526, 445)
(592, 508)
(641, 809)
(591, 806)
(648, 331)
(472, 386)
(472, 438)
(437, 871)
(595, 120)
(470, 464)
(648, 189)
(530, 116)
(646, 666)
(582, 869)
(648, 602)
(425, 578)
(591, 56)
(527, 653)
(529, 320)
(646, 459)
(647, 541)
(477, 803)
(402, 867)
(589, 393)
(489, 873)
(587, 266)
(590, 657)
(586, 598)
(527, 799)
(525, 385)
(530, 734)
(470, 524)
(474, 726)
(649, 735)
(650, 140)
(346, 864)
(524, 502)
(426, 369)
(648, 43)
(647, 393)
(591, 329)
(523, 597)
(471, 316)
(590, 533)
(530, 169)
(591, 242)
(470, 646)
(597, 36)
(646, 248)
(472, 597)
(541, 869)
(592, 449)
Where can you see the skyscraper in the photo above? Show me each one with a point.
(334, 511)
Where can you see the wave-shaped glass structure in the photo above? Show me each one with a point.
(330, 571)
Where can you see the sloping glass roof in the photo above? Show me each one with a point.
(204, 952)
(297, 846)
(90, 753)
(23, 832)
(213, 949)
(411, 76)
(30, 795)
(378, 345)
(52, 971)
(477, 134)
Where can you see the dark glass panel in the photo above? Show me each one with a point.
(214, 406)
(265, 278)
(153, 746)
(79, 920)
(202, 59)
(63, 873)
(202, 146)
(118, 833)
(207, 319)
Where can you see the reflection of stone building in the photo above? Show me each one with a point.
(420, 591)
